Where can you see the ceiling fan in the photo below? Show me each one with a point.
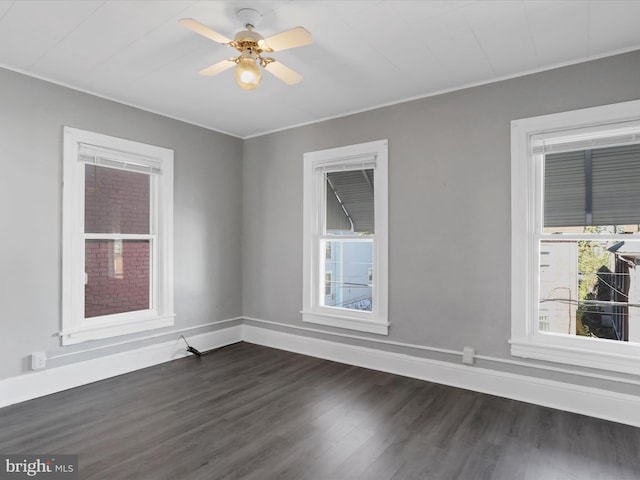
(251, 45)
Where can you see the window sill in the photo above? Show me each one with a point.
(98, 332)
(580, 355)
(343, 321)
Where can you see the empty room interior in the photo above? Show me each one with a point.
(320, 240)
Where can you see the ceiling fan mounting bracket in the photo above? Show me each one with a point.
(250, 17)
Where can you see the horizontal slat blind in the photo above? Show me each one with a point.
(354, 188)
(363, 163)
(564, 189)
(587, 138)
(591, 143)
(616, 186)
(115, 159)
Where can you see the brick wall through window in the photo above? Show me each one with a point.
(111, 289)
(116, 201)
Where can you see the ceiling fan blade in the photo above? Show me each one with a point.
(217, 68)
(296, 37)
(203, 30)
(284, 73)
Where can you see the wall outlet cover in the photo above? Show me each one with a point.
(467, 355)
(38, 360)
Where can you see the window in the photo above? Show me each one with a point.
(328, 284)
(329, 252)
(117, 237)
(345, 237)
(575, 237)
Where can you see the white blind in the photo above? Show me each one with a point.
(587, 138)
(346, 164)
(115, 159)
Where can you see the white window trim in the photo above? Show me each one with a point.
(75, 328)
(375, 321)
(526, 204)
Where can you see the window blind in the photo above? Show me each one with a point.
(564, 190)
(587, 138)
(346, 164)
(592, 187)
(616, 186)
(352, 191)
(115, 159)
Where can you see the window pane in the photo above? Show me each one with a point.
(592, 188)
(349, 202)
(348, 269)
(116, 201)
(117, 276)
(590, 288)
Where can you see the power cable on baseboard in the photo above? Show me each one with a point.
(191, 349)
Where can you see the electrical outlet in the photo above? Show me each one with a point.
(467, 355)
(38, 360)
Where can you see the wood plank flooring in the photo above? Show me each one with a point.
(250, 412)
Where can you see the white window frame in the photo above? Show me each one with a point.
(591, 125)
(75, 328)
(375, 155)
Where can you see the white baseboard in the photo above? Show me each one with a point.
(616, 407)
(48, 381)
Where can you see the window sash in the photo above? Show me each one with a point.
(153, 272)
(340, 280)
(152, 236)
(527, 227)
(321, 237)
(132, 156)
(372, 155)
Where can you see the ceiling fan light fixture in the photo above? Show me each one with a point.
(250, 44)
(248, 74)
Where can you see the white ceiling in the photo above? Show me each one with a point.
(365, 53)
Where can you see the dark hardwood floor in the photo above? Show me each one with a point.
(250, 412)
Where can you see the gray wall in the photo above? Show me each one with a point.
(449, 207)
(207, 215)
(238, 211)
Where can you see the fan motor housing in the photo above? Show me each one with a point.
(248, 36)
(249, 40)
